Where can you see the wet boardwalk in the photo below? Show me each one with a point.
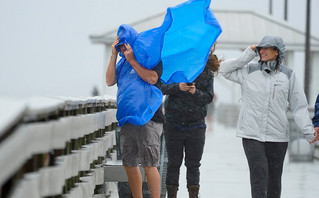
(224, 170)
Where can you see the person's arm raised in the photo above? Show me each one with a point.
(147, 75)
(111, 69)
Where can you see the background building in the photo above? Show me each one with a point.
(240, 29)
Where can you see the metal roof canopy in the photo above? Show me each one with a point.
(240, 29)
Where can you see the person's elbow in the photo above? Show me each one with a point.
(223, 71)
(153, 79)
(110, 83)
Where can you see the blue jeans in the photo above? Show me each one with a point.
(179, 141)
(265, 160)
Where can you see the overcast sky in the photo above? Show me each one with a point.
(45, 47)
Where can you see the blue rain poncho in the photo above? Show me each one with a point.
(182, 42)
(137, 100)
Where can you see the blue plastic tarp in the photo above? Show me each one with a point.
(193, 31)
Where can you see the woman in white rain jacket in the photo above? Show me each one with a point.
(268, 89)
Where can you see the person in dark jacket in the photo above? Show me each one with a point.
(315, 119)
(184, 127)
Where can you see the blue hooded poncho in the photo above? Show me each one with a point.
(182, 42)
(137, 100)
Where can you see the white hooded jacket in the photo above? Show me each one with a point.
(266, 98)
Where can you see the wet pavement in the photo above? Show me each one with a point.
(225, 174)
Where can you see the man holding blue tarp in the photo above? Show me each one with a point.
(138, 112)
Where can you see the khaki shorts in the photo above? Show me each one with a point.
(141, 144)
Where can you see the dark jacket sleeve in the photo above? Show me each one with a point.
(170, 89)
(315, 119)
(205, 96)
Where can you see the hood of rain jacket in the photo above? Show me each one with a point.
(274, 41)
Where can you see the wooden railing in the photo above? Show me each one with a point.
(56, 147)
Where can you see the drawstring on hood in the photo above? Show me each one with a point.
(270, 65)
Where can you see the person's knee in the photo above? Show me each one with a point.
(131, 169)
(150, 168)
(192, 165)
(259, 171)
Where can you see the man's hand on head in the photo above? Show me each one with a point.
(128, 53)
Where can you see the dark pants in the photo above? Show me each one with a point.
(265, 160)
(177, 142)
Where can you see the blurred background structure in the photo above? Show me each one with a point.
(45, 48)
(53, 58)
(240, 29)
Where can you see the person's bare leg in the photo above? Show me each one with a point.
(135, 180)
(153, 181)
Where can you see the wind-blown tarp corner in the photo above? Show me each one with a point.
(193, 31)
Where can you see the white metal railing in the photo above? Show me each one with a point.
(55, 146)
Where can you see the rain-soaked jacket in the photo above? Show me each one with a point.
(184, 108)
(266, 97)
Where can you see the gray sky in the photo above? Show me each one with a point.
(45, 47)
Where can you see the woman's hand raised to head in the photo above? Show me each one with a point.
(253, 47)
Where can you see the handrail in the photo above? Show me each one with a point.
(55, 146)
